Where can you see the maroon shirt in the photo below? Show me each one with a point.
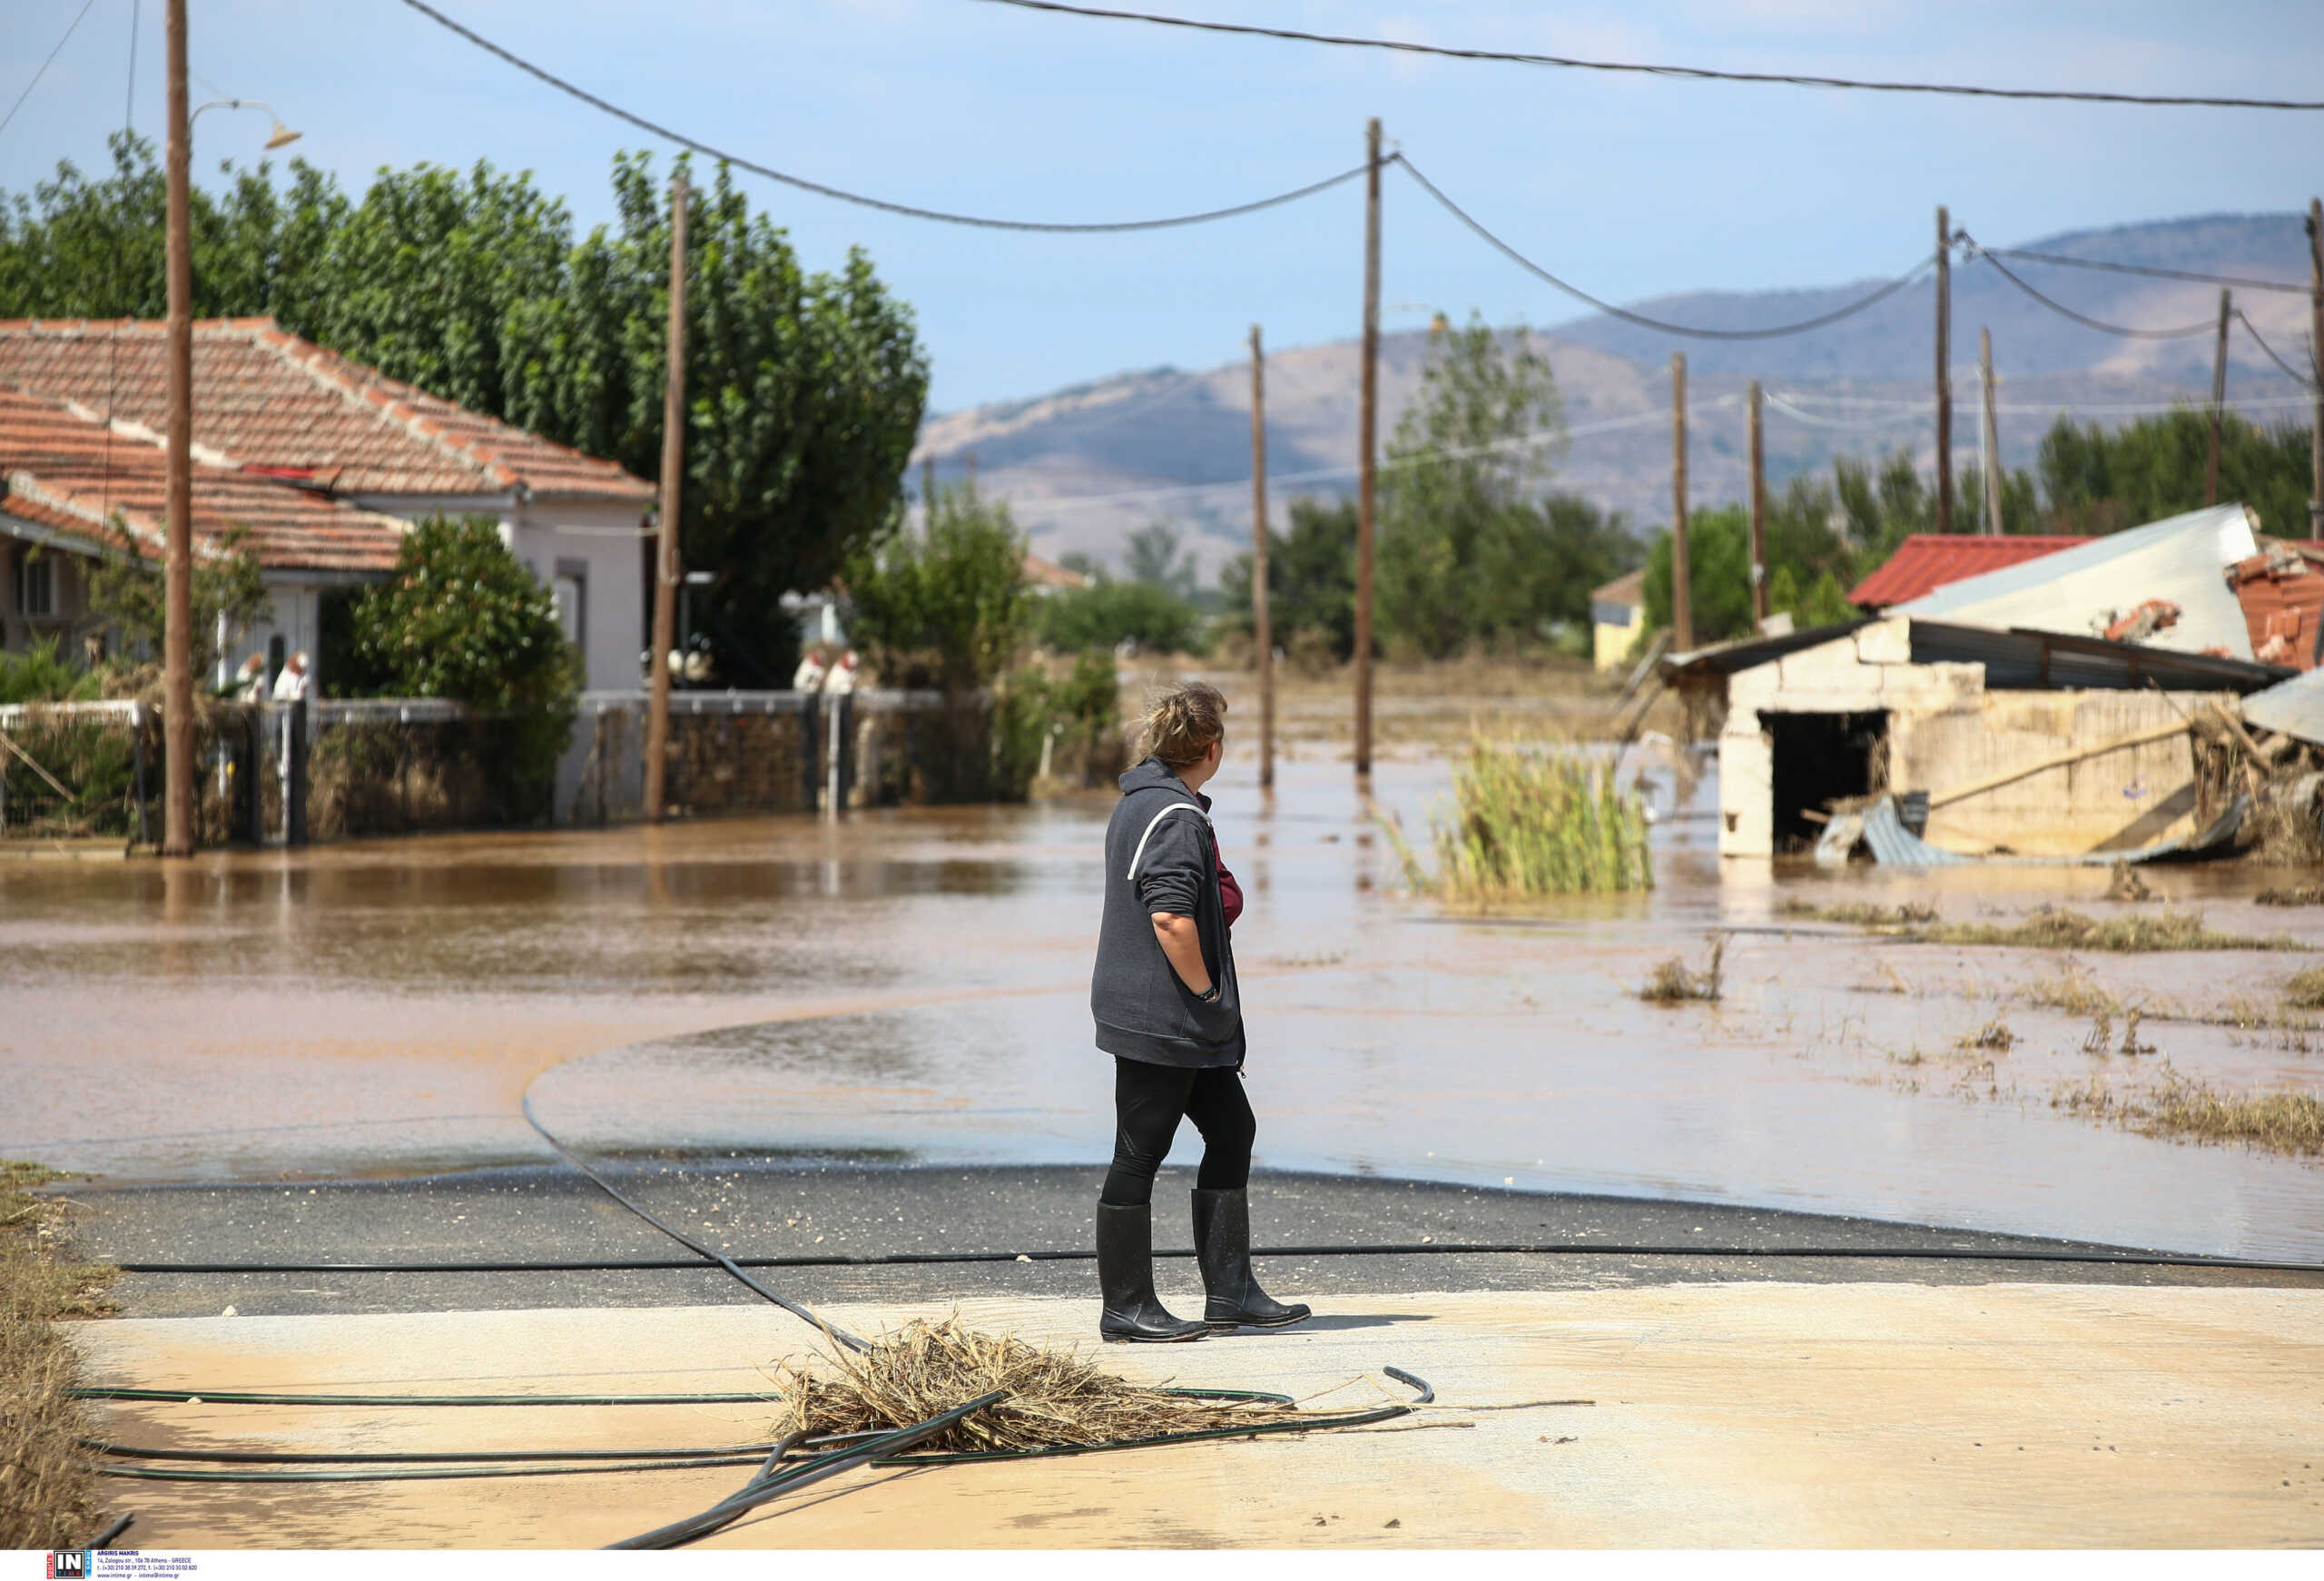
(1230, 894)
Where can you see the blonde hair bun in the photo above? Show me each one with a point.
(1183, 719)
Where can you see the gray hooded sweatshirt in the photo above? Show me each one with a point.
(1160, 857)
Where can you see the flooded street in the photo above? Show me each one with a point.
(912, 987)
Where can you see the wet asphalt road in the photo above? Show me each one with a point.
(748, 1209)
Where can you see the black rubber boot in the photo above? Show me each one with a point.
(1125, 1275)
(1223, 1246)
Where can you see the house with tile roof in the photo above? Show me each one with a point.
(320, 462)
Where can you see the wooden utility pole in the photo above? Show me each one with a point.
(177, 563)
(1683, 604)
(2315, 367)
(1262, 621)
(1944, 370)
(665, 549)
(1759, 517)
(1989, 436)
(2218, 398)
(1367, 423)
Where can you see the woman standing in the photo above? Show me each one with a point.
(1165, 999)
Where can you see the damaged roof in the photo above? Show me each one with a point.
(1926, 561)
(2080, 591)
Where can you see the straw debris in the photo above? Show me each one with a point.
(48, 1498)
(1055, 1398)
(1674, 983)
(2305, 989)
(2312, 893)
(1861, 913)
(2058, 928)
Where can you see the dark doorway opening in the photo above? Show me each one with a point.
(1821, 758)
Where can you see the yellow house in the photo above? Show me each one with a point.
(1616, 612)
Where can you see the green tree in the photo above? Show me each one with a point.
(2098, 481)
(1156, 560)
(1718, 559)
(950, 609)
(804, 390)
(461, 617)
(126, 590)
(1462, 545)
(1311, 578)
(1105, 613)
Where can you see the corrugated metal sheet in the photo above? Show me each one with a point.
(1726, 657)
(1926, 561)
(2078, 590)
(1894, 846)
(2295, 708)
(2026, 660)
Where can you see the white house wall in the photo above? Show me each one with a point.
(604, 540)
(1947, 731)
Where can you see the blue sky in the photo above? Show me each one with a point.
(1631, 186)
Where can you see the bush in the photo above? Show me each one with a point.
(1151, 615)
(462, 618)
(39, 675)
(1526, 823)
(949, 609)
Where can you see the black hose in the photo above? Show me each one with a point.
(103, 1539)
(1423, 1249)
(770, 1485)
(837, 1335)
(416, 1474)
(240, 1397)
(412, 1456)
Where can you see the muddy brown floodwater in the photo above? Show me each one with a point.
(912, 986)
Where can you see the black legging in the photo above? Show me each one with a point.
(1148, 1101)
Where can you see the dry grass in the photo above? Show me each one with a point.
(1994, 1037)
(2311, 893)
(2286, 1122)
(1055, 1398)
(2284, 836)
(2073, 990)
(2305, 989)
(2057, 928)
(47, 1499)
(1674, 983)
(1861, 913)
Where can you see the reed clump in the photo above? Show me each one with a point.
(2058, 928)
(1676, 983)
(2305, 989)
(1055, 1398)
(1527, 823)
(2285, 1123)
(1861, 913)
(2311, 893)
(48, 1496)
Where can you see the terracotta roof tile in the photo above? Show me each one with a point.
(1926, 561)
(2281, 589)
(266, 398)
(63, 469)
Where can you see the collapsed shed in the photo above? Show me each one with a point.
(2046, 708)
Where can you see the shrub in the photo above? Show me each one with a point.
(1152, 617)
(948, 609)
(1526, 823)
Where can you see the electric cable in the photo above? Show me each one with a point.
(2125, 331)
(908, 211)
(2290, 372)
(2131, 1259)
(2152, 270)
(839, 1335)
(1701, 74)
(1772, 332)
(71, 28)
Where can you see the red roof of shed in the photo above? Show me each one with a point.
(1926, 561)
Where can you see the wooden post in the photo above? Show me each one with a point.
(177, 564)
(665, 556)
(2218, 398)
(1262, 622)
(1943, 371)
(1682, 603)
(1759, 517)
(2315, 367)
(1367, 423)
(1989, 435)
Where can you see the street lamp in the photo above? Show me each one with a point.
(282, 135)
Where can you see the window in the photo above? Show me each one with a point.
(572, 590)
(35, 586)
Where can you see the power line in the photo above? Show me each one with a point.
(1694, 74)
(2151, 270)
(2290, 372)
(1603, 306)
(2124, 330)
(907, 210)
(71, 28)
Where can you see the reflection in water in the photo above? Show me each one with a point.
(914, 985)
